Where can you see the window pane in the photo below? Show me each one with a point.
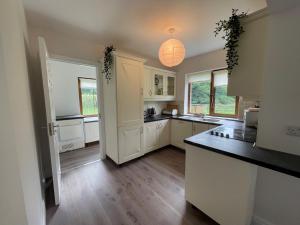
(224, 104)
(200, 97)
(89, 97)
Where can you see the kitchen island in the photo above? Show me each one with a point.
(221, 175)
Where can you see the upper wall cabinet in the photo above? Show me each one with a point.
(246, 78)
(159, 85)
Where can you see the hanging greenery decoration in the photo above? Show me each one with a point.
(108, 61)
(232, 29)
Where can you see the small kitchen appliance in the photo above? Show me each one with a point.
(151, 111)
(170, 112)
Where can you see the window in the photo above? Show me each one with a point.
(88, 96)
(208, 94)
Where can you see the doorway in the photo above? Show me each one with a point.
(77, 102)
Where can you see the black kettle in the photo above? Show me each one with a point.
(151, 111)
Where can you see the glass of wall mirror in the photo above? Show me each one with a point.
(158, 84)
(171, 86)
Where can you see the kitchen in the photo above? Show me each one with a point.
(136, 114)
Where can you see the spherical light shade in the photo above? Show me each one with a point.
(171, 52)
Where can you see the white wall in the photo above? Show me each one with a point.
(158, 105)
(65, 82)
(21, 201)
(277, 195)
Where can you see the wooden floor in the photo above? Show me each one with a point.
(145, 191)
(79, 157)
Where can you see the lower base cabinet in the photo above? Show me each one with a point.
(91, 130)
(131, 142)
(221, 187)
(164, 133)
(156, 135)
(151, 136)
(179, 131)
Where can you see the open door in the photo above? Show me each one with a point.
(51, 118)
(100, 98)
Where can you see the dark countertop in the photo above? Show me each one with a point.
(218, 122)
(274, 160)
(69, 117)
(156, 118)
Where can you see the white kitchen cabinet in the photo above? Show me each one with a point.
(91, 131)
(131, 143)
(70, 134)
(221, 187)
(199, 128)
(159, 85)
(156, 135)
(124, 109)
(151, 136)
(148, 83)
(170, 86)
(246, 78)
(179, 131)
(164, 133)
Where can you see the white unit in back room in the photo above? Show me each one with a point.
(70, 134)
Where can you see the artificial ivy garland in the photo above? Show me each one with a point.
(108, 61)
(232, 29)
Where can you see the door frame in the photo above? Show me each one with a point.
(99, 78)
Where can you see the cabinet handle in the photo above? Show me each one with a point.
(150, 93)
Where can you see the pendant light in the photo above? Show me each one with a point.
(172, 51)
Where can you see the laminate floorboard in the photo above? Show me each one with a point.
(79, 157)
(145, 191)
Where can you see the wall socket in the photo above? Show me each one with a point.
(293, 131)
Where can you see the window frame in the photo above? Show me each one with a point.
(80, 96)
(212, 99)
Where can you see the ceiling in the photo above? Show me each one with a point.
(138, 25)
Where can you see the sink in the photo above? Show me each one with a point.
(210, 120)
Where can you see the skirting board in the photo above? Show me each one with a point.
(260, 221)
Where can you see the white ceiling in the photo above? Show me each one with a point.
(138, 25)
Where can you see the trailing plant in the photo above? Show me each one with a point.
(232, 29)
(108, 61)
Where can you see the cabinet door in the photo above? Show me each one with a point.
(179, 131)
(130, 101)
(91, 131)
(246, 77)
(164, 133)
(158, 81)
(148, 83)
(199, 128)
(170, 87)
(130, 142)
(151, 135)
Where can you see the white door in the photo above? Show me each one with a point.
(100, 98)
(51, 118)
(131, 142)
(164, 133)
(130, 100)
(179, 131)
(151, 136)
